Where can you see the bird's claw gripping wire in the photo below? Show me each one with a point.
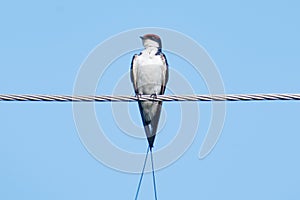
(138, 96)
(154, 96)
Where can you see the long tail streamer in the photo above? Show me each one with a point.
(153, 176)
(142, 174)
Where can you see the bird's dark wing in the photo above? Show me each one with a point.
(165, 73)
(133, 72)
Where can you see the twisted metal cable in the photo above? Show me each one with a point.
(126, 98)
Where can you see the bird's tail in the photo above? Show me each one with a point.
(150, 113)
(151, 141)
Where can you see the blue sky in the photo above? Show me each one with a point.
(255, 46)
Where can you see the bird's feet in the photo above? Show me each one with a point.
(154, 96)
(138, 96)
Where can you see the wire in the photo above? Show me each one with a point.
(142, 174)
(153, 176)
(126, 98)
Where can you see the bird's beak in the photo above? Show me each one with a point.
(142, 37)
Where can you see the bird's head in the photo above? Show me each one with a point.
(151, 40)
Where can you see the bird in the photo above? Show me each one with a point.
(149, 75)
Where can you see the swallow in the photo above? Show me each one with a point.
(149, 75)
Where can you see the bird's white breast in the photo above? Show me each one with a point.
(150, 73)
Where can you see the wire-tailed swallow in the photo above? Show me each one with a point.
(149, 75)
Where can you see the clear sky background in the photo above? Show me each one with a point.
(255, 46)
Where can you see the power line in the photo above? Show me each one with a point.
(127, 98)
